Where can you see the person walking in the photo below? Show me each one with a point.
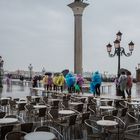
(49, 83)
(55, 79)
(129, 84)
(61, 81)
(79, 82)
(70, 82)
(122, 83)
(97, 80)
(45, 81)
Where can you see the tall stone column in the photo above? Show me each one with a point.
(78, 7)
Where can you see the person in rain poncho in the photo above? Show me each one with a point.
(70, 81)
(96, 83)
(79, 83)
(61, 81)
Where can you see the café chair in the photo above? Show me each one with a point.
(4, 130)
(132, 132)
(93, 131)
(26, 127)
(15, 135)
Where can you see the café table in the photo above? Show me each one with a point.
(75, 103)
(40, 135)
(66, 112)
(8, 120)
(20, 102)
(109, 108)
(5, 98)
(106, 107)
(107, 123)
(39, 106)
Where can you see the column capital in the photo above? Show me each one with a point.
(78, 7)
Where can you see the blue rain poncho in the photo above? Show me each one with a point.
(70, 80)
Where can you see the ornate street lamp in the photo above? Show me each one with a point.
(119, 51)
(1, 71)
(30, 67)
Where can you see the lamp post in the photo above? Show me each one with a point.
(1, 71)
(30, 67)
(119, 51)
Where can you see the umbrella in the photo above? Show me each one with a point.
(48, 73)
(124, 70)
(56, 74)
(65, 72)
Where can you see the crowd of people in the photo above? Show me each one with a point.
(73, 83)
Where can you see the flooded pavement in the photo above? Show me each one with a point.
(21, 91)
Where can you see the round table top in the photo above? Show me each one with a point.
(66, 112)
(39, 106)
(105, 100)
(74, 103)
(51, 99)
(106, 107)
(20, 102)
(133, 103)
(8, 120)
(107, 123)
(39, 88)
(35, 97)
(39, 135)
(5, 98)
(135, 99)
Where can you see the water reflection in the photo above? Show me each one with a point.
(22, 87)
(9, 89)
(1, 90)
(137, 87)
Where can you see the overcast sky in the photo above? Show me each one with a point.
(41, 32)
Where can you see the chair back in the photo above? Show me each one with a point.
(131, 118)
(92, 127)
(65, 104)
(79, 107)
(42, 112)
(21, 106)
(4, 102)
(72, 119)
(26, 127)
(54, 113)
(29, 98)
(2, 114)
(85, 116)
(123, 112)
(37, 99)
(10, 116)
(109, 103)
(29, 107)
(92, 108)
(42, 128)
(4, 130)
(90, 100)
(55, 104)
(115, 112)
(15, 135)
(83, 100)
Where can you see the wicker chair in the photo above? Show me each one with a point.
(15, 135)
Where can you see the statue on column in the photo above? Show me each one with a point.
(78, 0)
